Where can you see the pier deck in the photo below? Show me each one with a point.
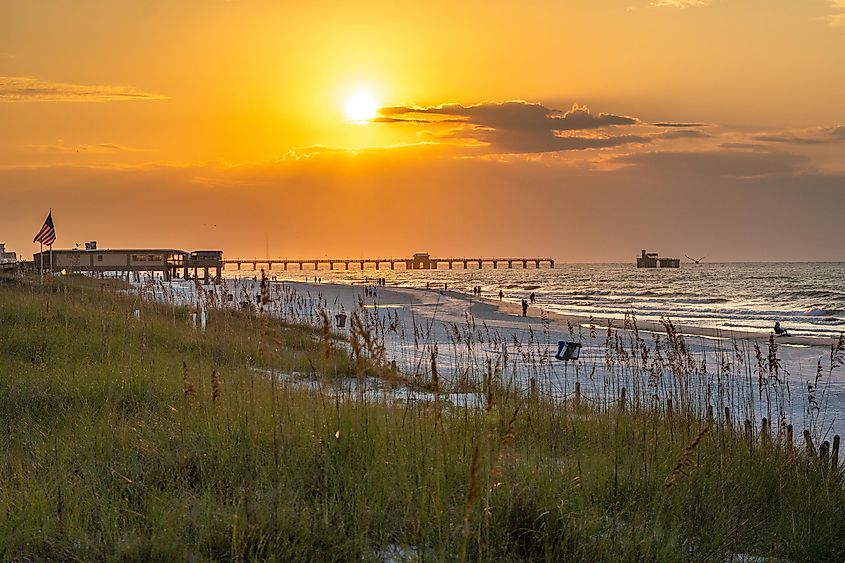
(417, 262)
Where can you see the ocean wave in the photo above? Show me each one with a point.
(823, 312)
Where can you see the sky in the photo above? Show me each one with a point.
(583, 130)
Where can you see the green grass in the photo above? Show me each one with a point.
(104, 457)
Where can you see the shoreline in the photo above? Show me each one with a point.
(491, 309)
(807, 303)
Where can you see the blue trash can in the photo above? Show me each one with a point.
(568, 350)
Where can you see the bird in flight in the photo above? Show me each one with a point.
(694, 260)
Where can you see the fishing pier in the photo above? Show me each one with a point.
(419, 261)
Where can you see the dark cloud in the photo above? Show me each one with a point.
(531, 142)
(519, 126)
(820, 136)
(683, 134)
(743, 146)
(720, 163)
(28, 89)
(580, 117)
(386, 119)
(671, 124)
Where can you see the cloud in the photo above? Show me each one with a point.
(29, 89)
(817, 136)
(673, 124)
(738, 164)
(837, 19)
(683, 134)
(745, 146)
(679, 3)
(518, 126)
(98, 148)
(579, 118)
(515, 114)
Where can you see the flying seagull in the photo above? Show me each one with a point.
(694, 260)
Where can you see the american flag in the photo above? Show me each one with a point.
(47, 234)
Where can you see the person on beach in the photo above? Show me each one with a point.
(501, 295)
(533, 297)
(779, 330)
(524, 308)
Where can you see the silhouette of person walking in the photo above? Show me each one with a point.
(533, 297)
(524, 308)
(501, 295)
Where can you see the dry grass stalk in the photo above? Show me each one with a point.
(435, 383)
(188, 389)
(685, 463)
(216, 386)
(472, 491)
(505, 440)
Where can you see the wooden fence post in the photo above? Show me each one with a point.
(824, 454)
(789, 438)
(808, 441)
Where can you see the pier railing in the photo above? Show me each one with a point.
(415, 263)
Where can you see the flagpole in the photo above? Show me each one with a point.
(50, 216)
(41, 258)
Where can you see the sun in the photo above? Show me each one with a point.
(360, 107)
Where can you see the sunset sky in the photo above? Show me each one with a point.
(584, 130)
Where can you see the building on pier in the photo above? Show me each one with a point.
(170, 263)
(7, 257)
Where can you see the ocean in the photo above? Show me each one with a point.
(807, 298)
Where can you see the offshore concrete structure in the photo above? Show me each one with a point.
(652, 260)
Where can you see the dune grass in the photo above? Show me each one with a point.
(147, 439)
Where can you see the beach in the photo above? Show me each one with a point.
(468, 331)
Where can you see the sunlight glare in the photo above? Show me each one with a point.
(361, 107)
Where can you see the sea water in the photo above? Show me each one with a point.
(807, 298)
